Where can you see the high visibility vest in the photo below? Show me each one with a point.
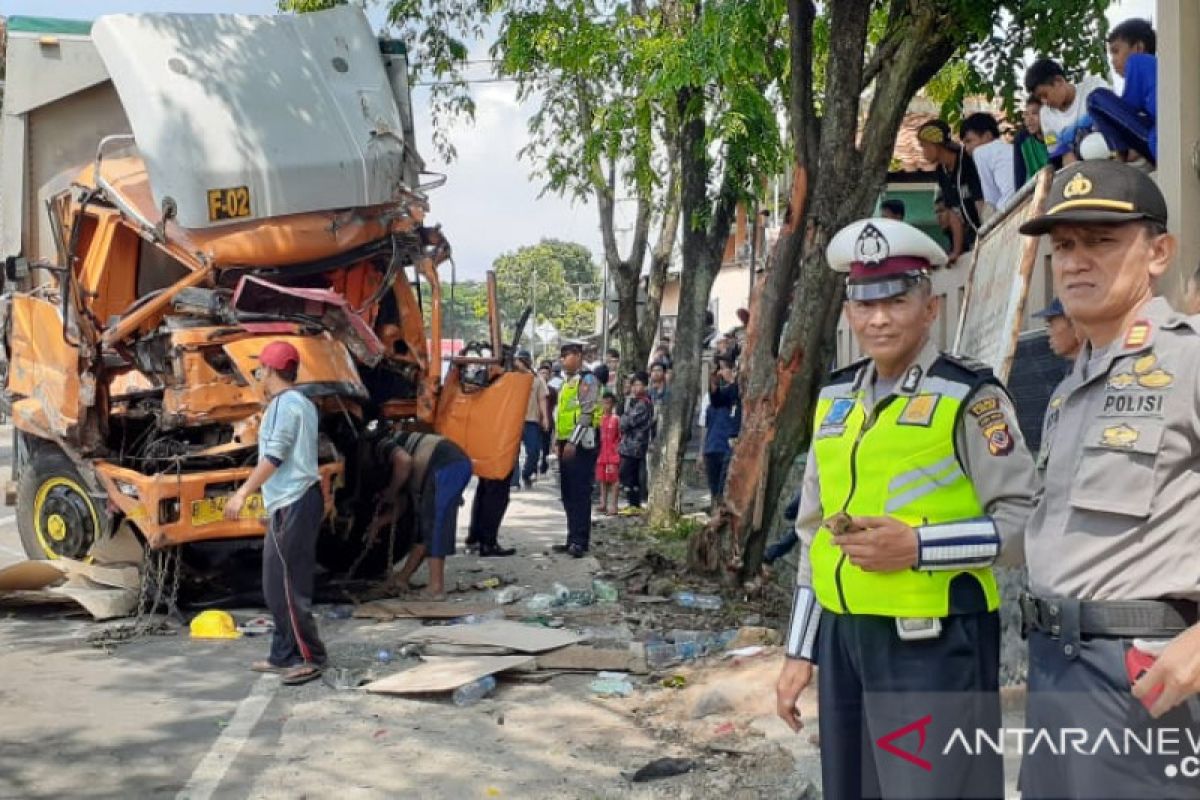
(901, 464)
(568, 408)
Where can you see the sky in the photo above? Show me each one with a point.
(490, 203)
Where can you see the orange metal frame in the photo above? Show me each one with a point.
(143, 495)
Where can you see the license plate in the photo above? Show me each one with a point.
(212, 509)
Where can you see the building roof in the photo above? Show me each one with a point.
(907, 161)
(906, 154)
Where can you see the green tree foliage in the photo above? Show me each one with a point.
(854, 66)
(557, 279)
(464, 310)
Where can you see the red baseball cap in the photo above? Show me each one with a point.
(279, 355)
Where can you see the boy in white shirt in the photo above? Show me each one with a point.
(993, 157)
(1064, 105)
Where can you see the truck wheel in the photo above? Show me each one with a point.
(56, 516)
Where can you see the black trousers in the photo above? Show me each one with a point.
(1081, 683)
(576, 476)
(632, 470)
(488, 509)
(872, 684)
(547, 442)
(289, 560)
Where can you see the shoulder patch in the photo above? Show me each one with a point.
(848, 373)
(967, 364)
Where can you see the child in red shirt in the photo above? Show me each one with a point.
(608, 463)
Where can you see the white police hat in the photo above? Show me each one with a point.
(882, 257)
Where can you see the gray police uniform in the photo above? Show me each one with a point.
(1116, 521)
(870, 679)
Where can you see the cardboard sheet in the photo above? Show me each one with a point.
(499, 633)
(446, 674)
(585, 658)
(397, 608)
(104, 592)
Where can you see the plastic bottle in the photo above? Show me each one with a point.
(539, 602)
(704, 602)
(383, 656)
(474, 692)
(509, 594)
(486, 616)
(604, 591)
(561, 593)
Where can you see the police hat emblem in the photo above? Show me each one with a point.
(871, 247)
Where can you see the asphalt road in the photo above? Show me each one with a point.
(170, 716)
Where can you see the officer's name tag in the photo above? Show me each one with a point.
(1139, 405)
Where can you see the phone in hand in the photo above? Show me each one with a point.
(1137, 662)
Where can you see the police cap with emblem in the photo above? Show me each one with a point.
(1091, 192)
(883, 257)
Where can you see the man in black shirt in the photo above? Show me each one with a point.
(958, 182)
(431, 473)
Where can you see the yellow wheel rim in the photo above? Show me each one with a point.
(51, 527)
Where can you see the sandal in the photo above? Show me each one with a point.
(301, 674)
(267, 666)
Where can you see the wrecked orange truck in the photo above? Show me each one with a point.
(179, 191)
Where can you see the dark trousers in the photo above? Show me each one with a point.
(1082, 683)
(576, 476)
(289, 560)
(715, 467)
(488, 509)
(547, 441)
(1123, 128)
(531, 440)
(871, 684)
(632, 470)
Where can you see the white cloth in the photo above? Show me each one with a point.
(1055, 122)
(994, 162)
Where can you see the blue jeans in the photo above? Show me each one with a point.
(715, 467)
(1122, 126)
(531, 443)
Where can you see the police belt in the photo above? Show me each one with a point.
(1115, 618)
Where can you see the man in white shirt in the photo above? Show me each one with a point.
(1064, 105)
(993, 157)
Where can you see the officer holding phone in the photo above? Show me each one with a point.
(918, 479)
(1112, 543)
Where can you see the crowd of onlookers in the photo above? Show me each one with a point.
(1063, 120)
(632, 404)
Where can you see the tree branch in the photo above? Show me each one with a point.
(801, 111)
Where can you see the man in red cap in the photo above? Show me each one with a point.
(291, 489)
(917, 480)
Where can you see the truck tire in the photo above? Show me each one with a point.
(56, 516)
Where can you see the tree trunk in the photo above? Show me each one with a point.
(797, 302)
(703, 246)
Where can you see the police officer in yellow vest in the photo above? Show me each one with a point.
(1113, 543)
(578, 446)
(918, 480)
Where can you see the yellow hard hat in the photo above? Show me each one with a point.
(214, 624)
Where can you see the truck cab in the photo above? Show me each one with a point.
(180, 191)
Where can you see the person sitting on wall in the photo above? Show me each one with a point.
(1130, 122)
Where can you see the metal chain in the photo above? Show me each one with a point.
(155, 569)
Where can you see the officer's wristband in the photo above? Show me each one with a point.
(802, 630)
(966, 544)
